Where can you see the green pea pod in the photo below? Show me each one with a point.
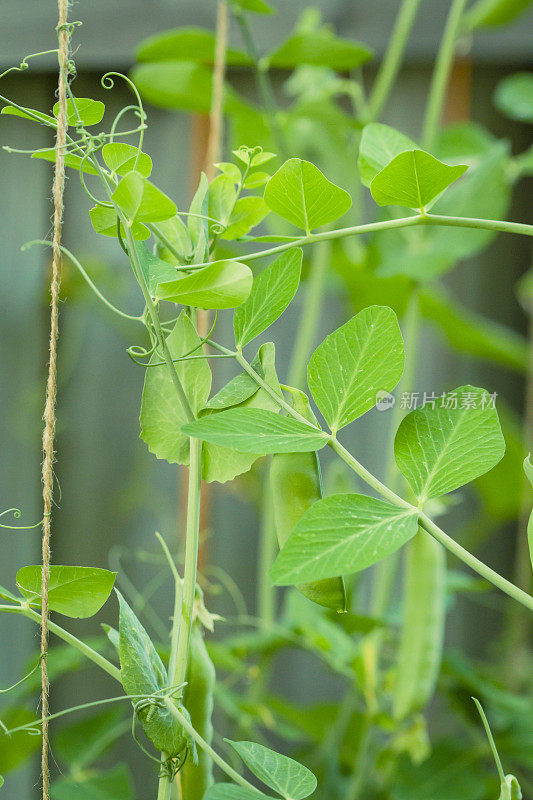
(196, 778)
(296, 484)
(424, 618)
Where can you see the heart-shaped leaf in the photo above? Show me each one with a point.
(141, 201)
(89, 112)
(222, 284)
(104, 221)
(413, 179)
(379, 145)
(122, 158)
(272, 291)
(248, 212)
(187, 44)
(301, 194)
(341, 534)
(77, 592)
(320, 48)
(282, 774)
(255, 430)
(353, 363)
(154, 269)
(449, 441)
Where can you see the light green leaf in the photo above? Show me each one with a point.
(243, 386)
(115, 784)
(257, 431)
(353, 363)
(229, 791)
(104, 221)
(320, 48)
(490, 13)
(528, 468)
(197, 221)
(1, 781)
(282, 774)
(142, 673)
(77, 592)
(161, 413)
(17, 112)
(16, 748)
(70, 161)
(90, 112)
(231, 170)
(257, 6)
(141, 201)
(178, 235)
(341, 534)
(514, 96)
(120, 158)
(301, 194)
(449, 442)
(154, 269)
(379, 145)
(413, 179)
(272, 291)
(257, 179)
(222, 284)
(248, 212)
(222, 195)
(187, 44)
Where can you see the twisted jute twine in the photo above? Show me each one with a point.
(51, 384)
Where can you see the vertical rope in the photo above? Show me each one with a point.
(51, 384)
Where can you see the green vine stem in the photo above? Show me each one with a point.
(441, 73)
(392, 60)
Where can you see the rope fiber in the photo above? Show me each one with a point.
(49, 415)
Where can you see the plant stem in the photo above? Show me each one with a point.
(230, 772)
(310, 314)
(191, 559)
(87, 651)
(441, 72)
(392, 60)
(263, 81)
(267, 548)
(502, 226)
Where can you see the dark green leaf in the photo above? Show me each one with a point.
(272, 291)
(341, 534)
(116, 784)
(82, 742)
(77, 592)
(154, 269)
(18, 747)
(257, 431)
(320, 48)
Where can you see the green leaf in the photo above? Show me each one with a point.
(153, 268)
(161, 413)
(352, 364)
(528, 468)
(17, 112)
(257, 431)
(257, 179)
(490, 13)
(243, 386)
(320, 48)
(222, 196)
(272, 291)
(222, 284)
(282, 774)
(90, 112)
(379, 145)
(514, 96)
(229, 791)
(197, 221)
(341, 534)
(120, 158)
(413, 179)
(301, 194)
(178, 235)
(142, 673)
(141, 201)
(256, 6)
(231, 170)
(16, 748)
(448, 442)
(70, 161)
(248, 212)
(77, 592)
(115, 784)
(104, 221)
(187, 44)
(7, 595)
(472, 333)
(1, 781)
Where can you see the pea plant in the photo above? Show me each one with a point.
(430, 205)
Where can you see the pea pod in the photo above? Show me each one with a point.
(424, 618)
(197, 777)
(296, 484)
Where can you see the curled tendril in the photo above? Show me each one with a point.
(17, 513)
(119, 116)
(86, 189)
(136, 351)
(108, 83)
(216, 223)
(25, 678)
